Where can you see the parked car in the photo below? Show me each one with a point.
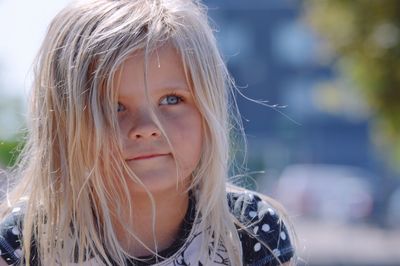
(393, 210)
(329, 192)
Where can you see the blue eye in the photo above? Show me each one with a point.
(171, 100)
(120, 108)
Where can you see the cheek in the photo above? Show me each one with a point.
(190, 129)
(185, 133)
(186, 122)
(123, 124)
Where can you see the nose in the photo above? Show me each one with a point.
(143, 127)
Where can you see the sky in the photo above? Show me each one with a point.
(23, 24)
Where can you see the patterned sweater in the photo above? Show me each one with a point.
(262, 223)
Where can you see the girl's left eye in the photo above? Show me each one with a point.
(171, 100)
(120, 108)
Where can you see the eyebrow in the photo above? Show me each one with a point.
(179, 88)
(173, 87)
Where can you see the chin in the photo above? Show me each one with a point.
(158, 183)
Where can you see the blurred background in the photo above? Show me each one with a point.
(327, 145)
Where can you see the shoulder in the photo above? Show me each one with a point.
(10, 236)
(262, 231)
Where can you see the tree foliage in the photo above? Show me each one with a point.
(8, 152)
(365, 37)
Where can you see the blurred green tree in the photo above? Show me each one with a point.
(8, 152)
(11, 133)
(363, 37)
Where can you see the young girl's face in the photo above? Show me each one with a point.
(145, 149)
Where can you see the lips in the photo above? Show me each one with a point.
(148, 156)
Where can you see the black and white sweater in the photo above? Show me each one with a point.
(260, 219)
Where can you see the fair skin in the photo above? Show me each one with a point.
(146, 150)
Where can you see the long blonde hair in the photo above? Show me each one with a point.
(73, 136)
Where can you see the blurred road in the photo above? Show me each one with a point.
(330, 244)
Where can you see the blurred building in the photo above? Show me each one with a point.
(317, 152)
(273, 56)
(311, 119)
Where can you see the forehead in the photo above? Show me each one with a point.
(162, 68)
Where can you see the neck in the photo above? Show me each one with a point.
(170, 210)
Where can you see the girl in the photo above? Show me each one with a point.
(126, 160)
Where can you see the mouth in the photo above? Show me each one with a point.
(148, 156)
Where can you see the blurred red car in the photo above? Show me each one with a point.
(329, 192)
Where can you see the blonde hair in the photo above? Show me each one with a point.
(73, 136)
